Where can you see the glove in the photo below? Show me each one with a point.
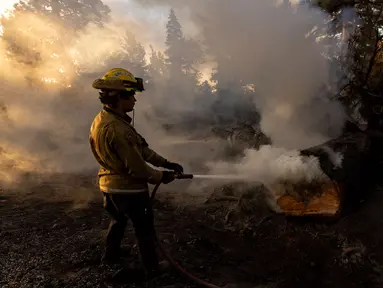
(168, 176)
(174, 166)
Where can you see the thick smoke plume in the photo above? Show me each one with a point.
(269, 164)
(270, 46)
(45, 128)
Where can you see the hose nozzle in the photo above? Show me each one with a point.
(184, 176)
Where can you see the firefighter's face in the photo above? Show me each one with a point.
(127, 103)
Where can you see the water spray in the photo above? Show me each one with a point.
(220, 177)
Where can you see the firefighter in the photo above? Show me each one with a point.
(124, 174)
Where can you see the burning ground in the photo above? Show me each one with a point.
(49, 241)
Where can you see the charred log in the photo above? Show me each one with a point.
(348, 162)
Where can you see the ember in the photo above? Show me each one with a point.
(303, 199)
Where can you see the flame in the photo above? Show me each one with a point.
(326, 203)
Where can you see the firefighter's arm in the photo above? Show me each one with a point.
(152, 157)
(125, 146)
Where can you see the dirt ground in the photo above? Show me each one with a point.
(47, 240)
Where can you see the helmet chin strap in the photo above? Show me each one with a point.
(133, 119)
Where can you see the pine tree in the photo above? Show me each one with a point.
(157, 67)
(157, 84)
(173, 74)
(182, 55)
(175, 43)
(135, 56)
(361, 90)
(131, 56)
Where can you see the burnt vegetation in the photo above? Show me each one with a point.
(232, 238)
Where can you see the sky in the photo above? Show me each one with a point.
(120, 4)
(150, 21)
(6, 4)
(123, 7)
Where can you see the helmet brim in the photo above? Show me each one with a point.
(119, 85)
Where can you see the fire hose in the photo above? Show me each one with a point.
(166, 255)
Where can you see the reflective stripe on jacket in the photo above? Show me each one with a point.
(122, 154)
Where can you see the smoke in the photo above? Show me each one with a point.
(269, 165)
(45, 128)
(270, 47)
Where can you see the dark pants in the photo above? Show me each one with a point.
(138, 208)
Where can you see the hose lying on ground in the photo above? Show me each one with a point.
(169, 258)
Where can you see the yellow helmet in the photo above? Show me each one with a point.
(119, 79)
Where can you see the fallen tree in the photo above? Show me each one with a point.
(348, 162)
(345, 161)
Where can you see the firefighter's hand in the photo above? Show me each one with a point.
(175, 167)
(168, 176)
